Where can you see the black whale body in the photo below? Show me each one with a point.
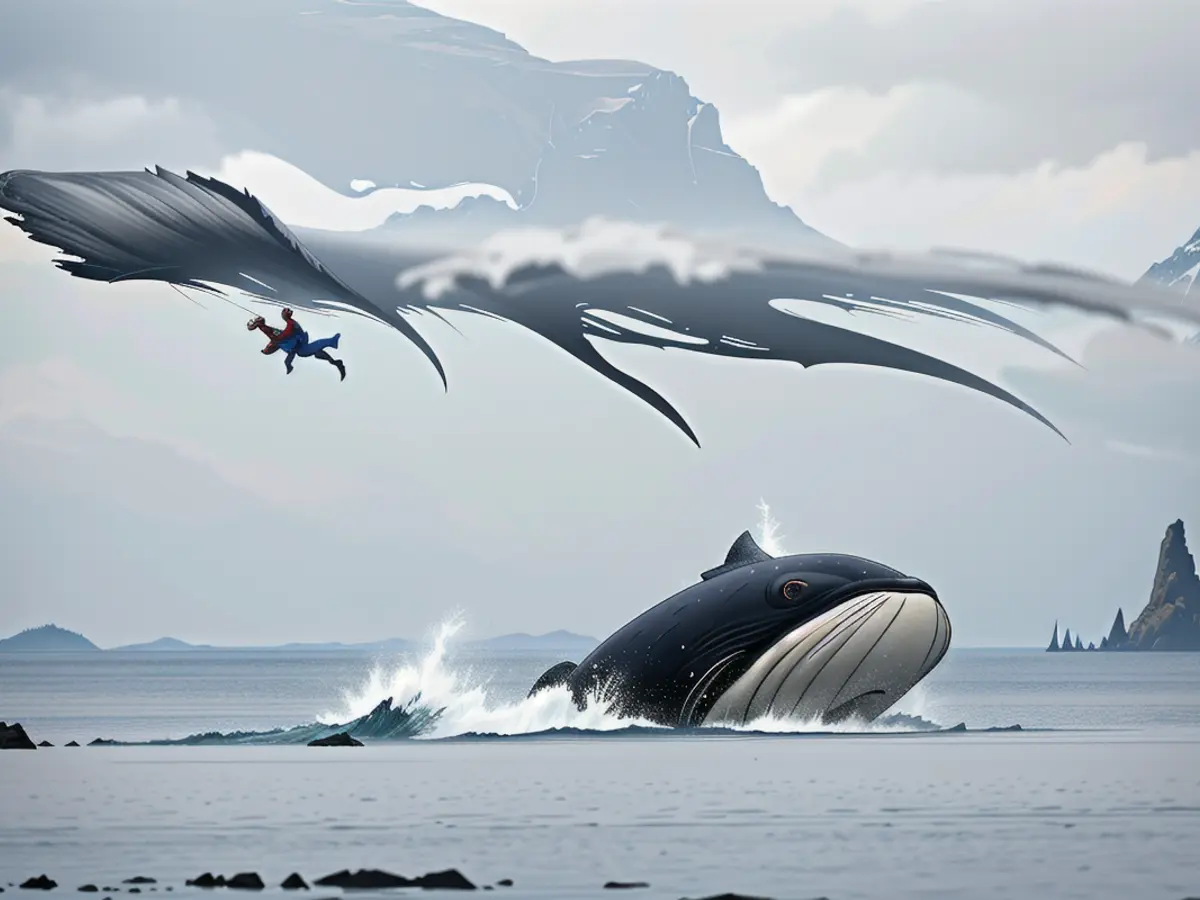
(818, 637)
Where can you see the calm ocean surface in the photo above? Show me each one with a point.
(1101, 800)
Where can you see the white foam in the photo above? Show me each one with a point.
(598, 246)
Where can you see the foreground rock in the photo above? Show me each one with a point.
(40, 883)
(341, 739)
(243, 881)
(377, 879)
(13, 737)
(294, 883)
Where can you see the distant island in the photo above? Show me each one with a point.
(1170, 620)
(51, 638)
(48, 637)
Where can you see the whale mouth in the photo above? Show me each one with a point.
(855, 660)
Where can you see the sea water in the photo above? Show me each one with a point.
(1098, 796)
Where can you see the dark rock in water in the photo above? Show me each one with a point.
(88, 889)
(961, 726)
(363, 879)
(135, 890)
(1016, 727)
(446, 880)
(71, 744)
(45, 744)
(245, 881)
(738, 897)
(375, 879)
(1054, 647)
(140, 879)
(341, 739)
(624, 885)
(207, 881)
(40, 883)
(505, 882)
(13, 737)
(294, 883)
(102, 742)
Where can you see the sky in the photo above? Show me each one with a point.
(158, 477)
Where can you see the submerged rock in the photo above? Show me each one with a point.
(341, 739)
(40, 883)
(88, 889)
(13, 737)
(376, 879)
(207, 880)
(245, 881)
(71, 744)
(102, 742)
(363, 879)
(45, 744)
(446, 880)
(624, 885)
(140, 879)
(294, 883)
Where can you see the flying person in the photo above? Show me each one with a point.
(293, 340)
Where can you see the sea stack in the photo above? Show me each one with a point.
(1171, 620)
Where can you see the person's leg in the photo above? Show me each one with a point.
(287, 362)
(336, 363)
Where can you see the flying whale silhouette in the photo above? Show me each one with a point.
(814, 637)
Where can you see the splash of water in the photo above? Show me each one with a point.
(464, 704)
(769, 537)
(464, 700)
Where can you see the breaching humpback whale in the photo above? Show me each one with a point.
(815, 637)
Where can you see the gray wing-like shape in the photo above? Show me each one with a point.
(196, 231)
(193, 232)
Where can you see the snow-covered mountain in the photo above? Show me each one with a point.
(1179, 270)
(390, 93)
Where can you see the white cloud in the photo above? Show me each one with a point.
(84, 132)
(300, 200)
(1118, 214)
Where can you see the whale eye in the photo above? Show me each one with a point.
(792, 590)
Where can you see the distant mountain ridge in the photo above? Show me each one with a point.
(447, 102)
(53, 638)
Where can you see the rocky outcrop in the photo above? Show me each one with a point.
(13, 737)
(1171, 618)
(1179, 270)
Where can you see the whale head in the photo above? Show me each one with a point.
(816, 637)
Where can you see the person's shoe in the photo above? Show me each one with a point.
(341, 367)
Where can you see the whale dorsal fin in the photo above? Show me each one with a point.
(743, 552)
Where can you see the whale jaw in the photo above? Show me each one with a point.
(853, 661)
